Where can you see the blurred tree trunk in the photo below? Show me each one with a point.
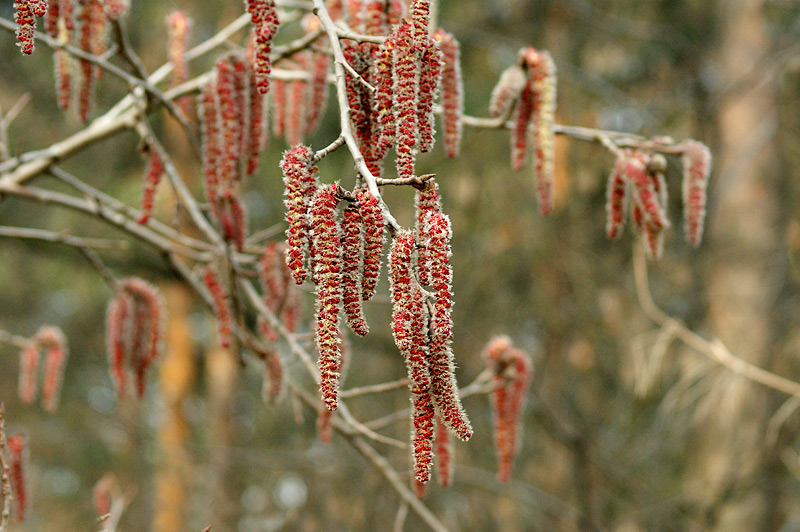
(176, 377)
(746, 230)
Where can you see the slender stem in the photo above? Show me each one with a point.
(4, 480)
(25, 233)
(12, 339)
(374, 388)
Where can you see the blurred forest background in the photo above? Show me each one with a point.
(624, 429)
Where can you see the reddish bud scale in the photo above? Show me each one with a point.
(422, 417)
(51, 340)
(444, 452)
(508, 89)
(179, 24)
(318, 91)
(429, 80)
(51, 18)
(26, 25)
(155, 170)
(452, 91)
(326, 245)
(273, 377)
(696, 170)
(28, 382)
(118, 315)
(519, 133)
(352, 262)
(440, 361)
(19, 487)
(373, 231)
(406, 84)
(63, 75)
(426, 201)
(616, 204)
(212, 149)
(301, 182)
(296, 105)
(278, 107)
(222, 309)
(543, 75)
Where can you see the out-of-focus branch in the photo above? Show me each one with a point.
(4, 480)
(715, 350)
(12, 339)
(41, 235)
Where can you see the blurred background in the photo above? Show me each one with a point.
(659, 437)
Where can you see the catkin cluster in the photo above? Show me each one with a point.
(49, 345)
(637, 189)
(528, 88)
(342, 251)
(135, 322)
(511, 373)
(420, 277)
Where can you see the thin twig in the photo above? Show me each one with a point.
(97, 264)
(12, 339)
(374, 388)
(327, 149)
(4, 480)
(61, 238)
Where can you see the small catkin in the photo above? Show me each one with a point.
(696, 170)
(28, 382)
(373, 231)
(426, 201)
(430, 74)
(212, 148)
(153, 175)
(444, 453)
(117, 316)
(17, 450)
(222, 309)
(178, 26)
(326, 246)
(616, 203)
(265, 24)
(508, 89)
(273, 377)
(452, 92)
(406, 84)
(52, 342)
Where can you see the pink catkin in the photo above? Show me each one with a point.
(17, 474)
(452, 92)
(352, 265)
(278, 107)
(297, 105)
(696, 170)
(28, 382)
(153, 174)
(318, 90)
(273, 377)
(508, 89)
(633, 167)
(51, 340)
(256, 129)
(92, 24)
(26, 25)
(179, 24)
(326, 245)
(426, 201)
(222, 309)
(442, 366)
(150, 305)
(51, 18)
(444, 453)
(299, 175)
(373, 231)
(117, 316)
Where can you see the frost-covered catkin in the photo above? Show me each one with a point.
(696, 170)
(326, 245)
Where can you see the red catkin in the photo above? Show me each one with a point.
(51, 18)
(51, 340)
(273, 377)
(28, 383)
(299, 175)
(92, 34)
(696, 170)
(384, 97)
(116, 9)
(422, 417)
(426, 200)
(317, 93)
(212, 148)
(406, 83)
(430, 73)
(633, 167)
(272, 286)
(444, 452)
(440, 361)
(542, 72)
(231, 93)
(39, 7)
(222, 309)
(63, 75)
(119, 312)
(352, 264)
(17, 473)
(26, 25)
(373, 231)
(452, 91)
(326, 245)
(616, 203)
(256, 130)
(297, 105)
(265, 24)
(278, 107)
(153, 174)
(519, 133)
